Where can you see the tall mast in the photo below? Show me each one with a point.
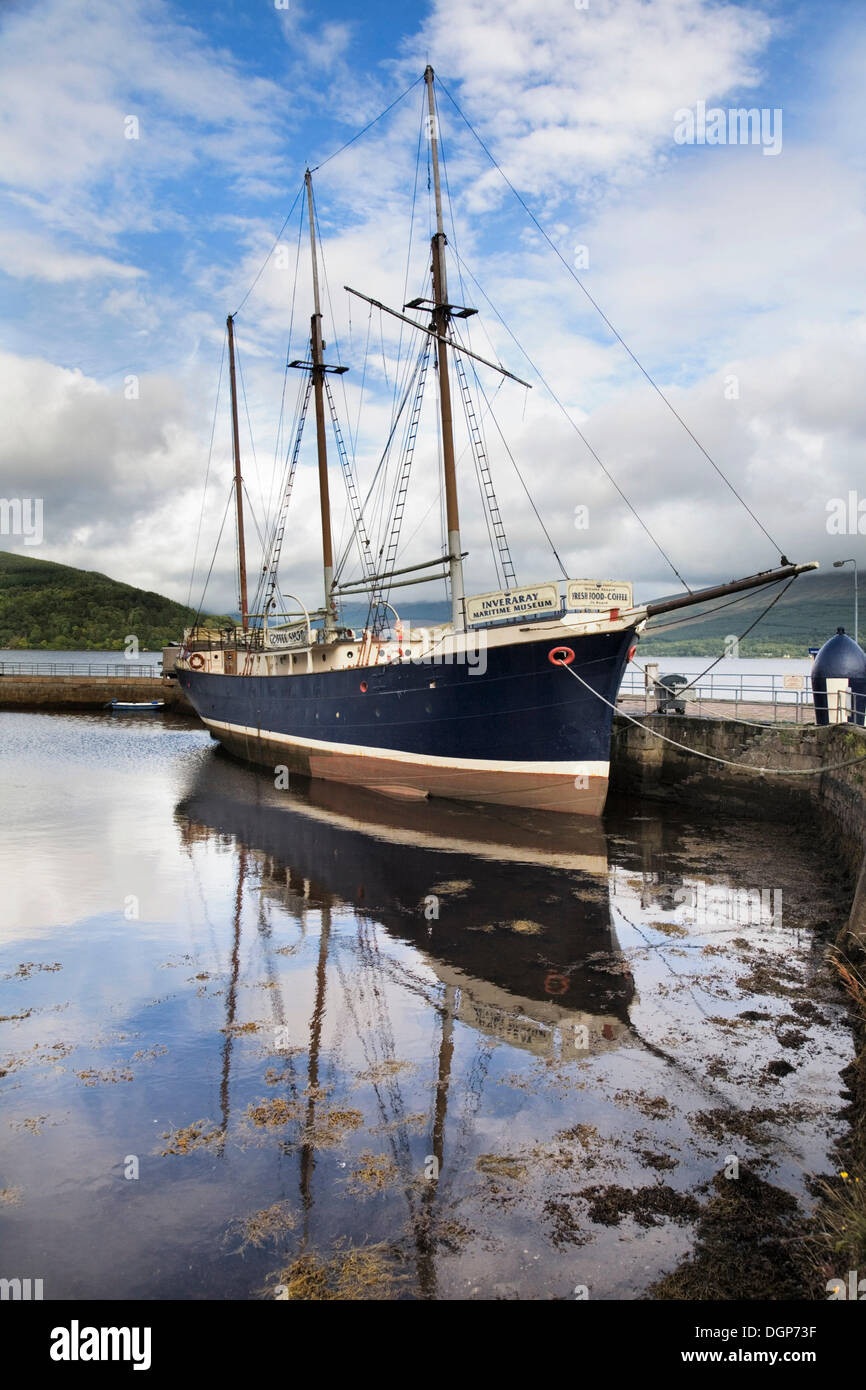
(441, 319)
(316, 352)
(239, 499)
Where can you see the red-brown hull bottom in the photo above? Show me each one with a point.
(566, 788)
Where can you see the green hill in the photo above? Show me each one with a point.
(55, 607)
(811, 610)
(48, 606)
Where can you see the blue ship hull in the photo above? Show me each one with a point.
(522, 731)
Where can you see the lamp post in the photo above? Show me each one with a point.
(837, 565)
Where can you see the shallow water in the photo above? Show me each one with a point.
(288, 1011)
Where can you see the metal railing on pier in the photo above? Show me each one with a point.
(123, 669)
(777, 687)
(771, 698)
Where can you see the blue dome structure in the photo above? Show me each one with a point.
(840, 658)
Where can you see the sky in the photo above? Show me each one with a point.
(151, 152)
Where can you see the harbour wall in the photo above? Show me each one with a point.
(88, 692)
(819, 782)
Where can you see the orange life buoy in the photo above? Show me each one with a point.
(561, 656)
(555, 983)
(196, 661)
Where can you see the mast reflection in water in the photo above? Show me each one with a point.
(321, 1042)
(503, 912)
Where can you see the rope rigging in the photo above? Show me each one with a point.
(361, 537)
(380, 473)
(269, 573)
(496, 530)
(411, 378)
(377, 523)
(207, 473)
(579, 432)
(381, 594)
(652, 382)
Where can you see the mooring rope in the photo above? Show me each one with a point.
(711, 757)
(742, 636)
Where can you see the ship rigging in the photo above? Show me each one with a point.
(475, 707)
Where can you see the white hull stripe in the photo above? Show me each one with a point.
(357, 750)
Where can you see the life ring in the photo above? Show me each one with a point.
(196, 661)
(631, 652)
(560, 656)
(556, 983)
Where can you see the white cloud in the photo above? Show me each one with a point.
(712, 263)
(73, 71)
(565, 94)
(36, 258)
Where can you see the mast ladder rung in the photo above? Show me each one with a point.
(487, 481)
(280, 530)
(377, 598)
(349, 477)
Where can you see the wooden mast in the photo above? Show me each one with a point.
(239, 499)
(317, 358)
(441, 318)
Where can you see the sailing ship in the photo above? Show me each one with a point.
(509, 703)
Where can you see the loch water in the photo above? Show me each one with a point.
(261, 1042)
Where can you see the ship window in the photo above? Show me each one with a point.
(348, 656)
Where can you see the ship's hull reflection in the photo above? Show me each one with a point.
(509, 908)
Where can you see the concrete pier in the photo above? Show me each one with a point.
(88, 692)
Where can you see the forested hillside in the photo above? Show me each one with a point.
(55, 607)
